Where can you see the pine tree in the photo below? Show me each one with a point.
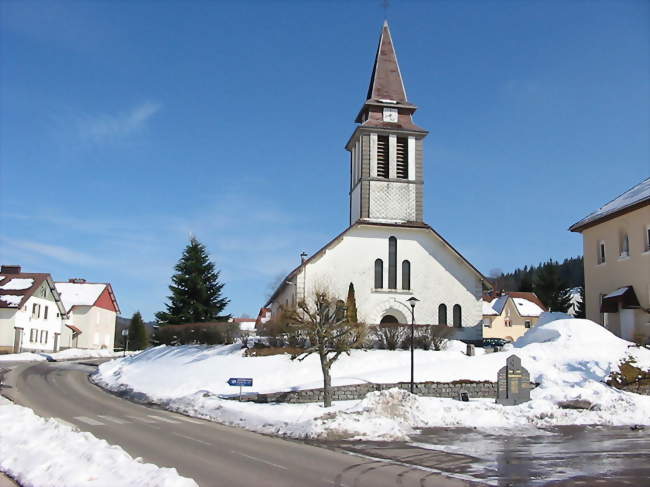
(351, 304)
(526, 282)
(137, 333)
(196, 290)
(551, 288)
(580, 309)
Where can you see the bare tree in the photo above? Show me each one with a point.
(323, 322)
(390, 335)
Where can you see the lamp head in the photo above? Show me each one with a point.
(412, 300)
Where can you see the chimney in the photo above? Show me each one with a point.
(303, 257)
(10, 269)
(77, 280)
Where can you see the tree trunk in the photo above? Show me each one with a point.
(327, 381)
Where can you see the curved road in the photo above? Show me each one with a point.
(210, 453)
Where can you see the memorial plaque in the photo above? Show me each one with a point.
(471, 350)
(513, 383)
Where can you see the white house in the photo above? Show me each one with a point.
(388, 252)
(31, 312)
(92, 312)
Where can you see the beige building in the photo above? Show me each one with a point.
(616, 247)
(92, 312)
(510, 315)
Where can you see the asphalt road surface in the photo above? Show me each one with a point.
(211, 454)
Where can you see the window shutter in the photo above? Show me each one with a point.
(382, 156)
(402, 162)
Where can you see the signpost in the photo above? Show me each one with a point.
(241, 382)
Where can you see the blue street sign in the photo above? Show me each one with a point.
(239, 381)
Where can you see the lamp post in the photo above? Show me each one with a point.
(412, 300)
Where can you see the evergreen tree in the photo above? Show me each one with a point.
(196, 290)
(526, 282)
(580, 310)
(551, 288)
(137, 333)
(351, 304)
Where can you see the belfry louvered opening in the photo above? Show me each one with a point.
(402, 161)
(382, 156)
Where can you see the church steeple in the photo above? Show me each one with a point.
(386, 180)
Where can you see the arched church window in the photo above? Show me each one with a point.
(457, 316)
(392, 263)
(382, 156)
(406, 275)
(442, 314)
(379, 274)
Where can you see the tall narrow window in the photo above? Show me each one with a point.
(379, 274)
(625, 245)
(601, 252)
(392, 263)
(406, 275)
(382, 156)
(647, 238)
(442, 314)
(457, 316)
(402, 161)
(45, 313)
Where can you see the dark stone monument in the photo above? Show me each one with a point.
(471, 350)
(513, 383)
(463, 396)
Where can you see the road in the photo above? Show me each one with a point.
(210, 453)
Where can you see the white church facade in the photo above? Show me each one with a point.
(388, 252)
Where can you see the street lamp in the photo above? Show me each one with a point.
(412, 300)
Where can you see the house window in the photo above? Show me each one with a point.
(442, 314)
(34, 310)
(382, 156)
(406, 275)
(402, 161)
(507, 321)
(487, 323)
(527, 324)
(601, 252)
(33, 335)
(43, 336)
(392, 263)
(379, 274)
(647, 238)
(625, 246)
(45, 313)
(457, 316)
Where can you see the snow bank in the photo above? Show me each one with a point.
(39, 452)
(569, 358)
(68, 354)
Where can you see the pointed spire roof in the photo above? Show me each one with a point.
(386, 80)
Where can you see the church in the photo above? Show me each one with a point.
(388, 252)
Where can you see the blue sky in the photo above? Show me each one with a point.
(127, 126)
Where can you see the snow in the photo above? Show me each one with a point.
(569, 358)
(17, 284)
(619, 292)
(11, 299)
(634, 195)
(527, 308)
(488, 310)
(79, 294)
(45, 452)
(68, 354)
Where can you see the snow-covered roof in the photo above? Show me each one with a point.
(633, 196)
(12, 300)
(619, 292)
(17, 284)
(488, 310)
(79, 294)
(527, 308)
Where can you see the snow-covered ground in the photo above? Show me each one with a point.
(44, 452)
(68, 354)
(568, 357)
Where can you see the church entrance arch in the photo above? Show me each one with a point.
(392, 316)
(389, 320)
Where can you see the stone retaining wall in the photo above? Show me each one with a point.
(474, 390)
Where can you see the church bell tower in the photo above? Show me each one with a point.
(386, 177)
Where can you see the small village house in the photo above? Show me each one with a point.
(31, 312)
(510, 315)
(616, 247)
(92, 312)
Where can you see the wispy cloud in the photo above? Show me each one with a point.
(62, 254)
(110, 126)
